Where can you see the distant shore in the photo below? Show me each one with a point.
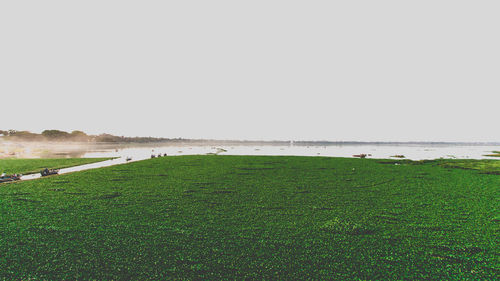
(81, 138)
(181, 141)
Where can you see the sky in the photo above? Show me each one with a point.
(261, 70)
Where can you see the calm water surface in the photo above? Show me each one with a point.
(413, 152)
(136, 153)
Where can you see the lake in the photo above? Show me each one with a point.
(144, 151)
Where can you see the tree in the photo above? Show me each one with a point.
(79, 136)
(55, 135)
(106, 138)
(25, 136)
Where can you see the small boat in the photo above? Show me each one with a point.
(9, 178)
(48, 172)
(362, 155)
(398, 156)
(128, 159)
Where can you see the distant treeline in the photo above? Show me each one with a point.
(79, 136)
(75, 136)
(337, 143)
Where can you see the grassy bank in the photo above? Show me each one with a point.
(213, 217)
(29, 166)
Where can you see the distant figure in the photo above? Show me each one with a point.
(164, 154)
(360, 155)
(153, 156)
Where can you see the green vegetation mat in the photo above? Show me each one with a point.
(253, 217)
(30, 166)
(483, 166)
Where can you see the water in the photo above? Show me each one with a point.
(80, 168)
(141, 152)
(413, 152)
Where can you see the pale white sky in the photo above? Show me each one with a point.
(309, 70)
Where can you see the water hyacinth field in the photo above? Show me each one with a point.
(30, 166)
(255, 217)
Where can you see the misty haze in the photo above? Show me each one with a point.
(261, 140)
